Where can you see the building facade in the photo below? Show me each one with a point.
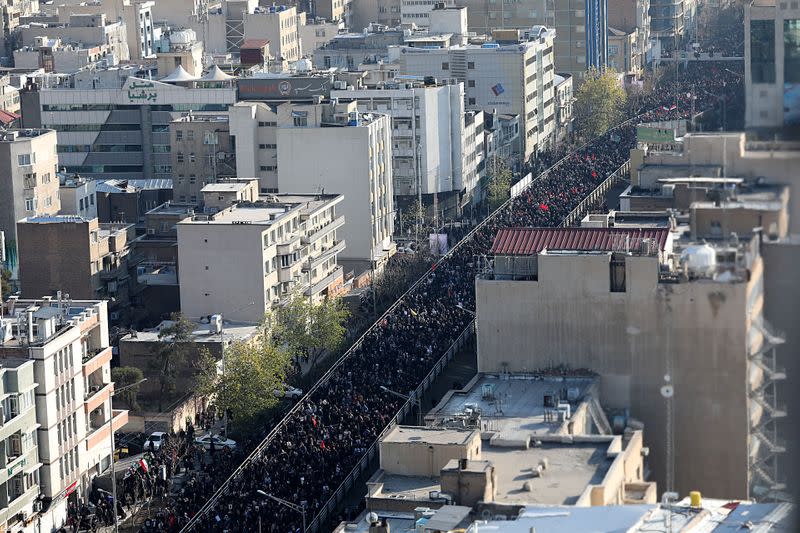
(202, 153)
(78, 196)
(630, 16)
(71, 28)
(772, 65)
(581, 40)
(79, 256)
(67, 341)
(28, 182)
(244, 260)
(118, 128)
(507, 78)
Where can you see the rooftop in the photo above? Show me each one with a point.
(201, 118)
(226, 186)
(65, 313)
(404, 434)
(203, 332)
(530, 241)
(267, 209)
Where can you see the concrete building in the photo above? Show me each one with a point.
(581, 40)
(90, 29)
(336, 11)
(383, 12)
(116, 128)
(202, 153)
(28, 182)
(668, 22)
(632, 16)
(9, 96)
(564, 100)
(314, 33)
(53, 56)
(623, 53)
(639, 306)
(353, 157)
(179, 48)
(78, 196)
(772, 65)
(347, 51)
(507, 78)
(10, 14)
(244, 260)
(485, 17)
(79, 256)
(432, 143)
(19, 482)
(418, 12)
(129, 200)
(67, 342)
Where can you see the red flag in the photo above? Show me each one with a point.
(594, 173)
(322, 444)
(544, 207)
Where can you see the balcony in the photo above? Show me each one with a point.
(317, 233)
(325, 282)
(96, 396)
(337, 247)
(19, 463)
(19, 504)
(100, 435)
(95, 359)
(402, 152)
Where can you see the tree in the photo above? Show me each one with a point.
(5, 283)
(499, 186)
(413, 217)
(252, 371)
(599, 103)
(307, 329)
(125, 376)
(171, 351)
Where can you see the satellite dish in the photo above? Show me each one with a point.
(667, 391)
(372, 518)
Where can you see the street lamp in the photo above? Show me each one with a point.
(416, 401)
(293, 506)
(111, 432)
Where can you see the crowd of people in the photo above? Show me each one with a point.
(324, 437)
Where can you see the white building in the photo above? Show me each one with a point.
(68, 343)
(435, 143)
(78, 196)
(89, 29)
(772, 64)
(514, 79)
(419, 11)
(54, 56)
(116, 127)
(351, 155)
(245, 259)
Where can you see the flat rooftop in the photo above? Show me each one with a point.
(231, 332)
(571, 468)
(515, 410)
(411, 434)
(225, 186)
(267, 209)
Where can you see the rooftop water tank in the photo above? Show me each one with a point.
(701, 259)
(182, 37)
(303, 65)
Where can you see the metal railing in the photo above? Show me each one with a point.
(594, 196)
(339, 494)
(259, 449)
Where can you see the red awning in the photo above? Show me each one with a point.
(531, 241)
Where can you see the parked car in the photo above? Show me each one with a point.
(155, 441)
(218, 440)
(288, 392)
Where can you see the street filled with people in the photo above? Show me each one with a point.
(312, 450)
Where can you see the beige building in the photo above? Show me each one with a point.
(201, 152)
(674, 328)
(28, 181)
(279, 25)
(244, 260)
(632, 16)
(623, 52)
(88, 29)
(78, 256)
(184, 50)
(68, 342)
(772, 64)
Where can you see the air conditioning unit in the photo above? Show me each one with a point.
(37, 506)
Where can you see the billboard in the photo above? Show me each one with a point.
(294, 88)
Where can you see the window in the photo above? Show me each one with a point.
(471, 101)
(190, 135)
(192, 158)
(617, 273)
(267, 124)
(26, 159)
(268, 168)
(268, 146)
(179, 135)
(470, 83)
(30, 204)
(762, 51)
(179, 157)
(791, 51)
(445, 66)
(471, 65)
(300, 121)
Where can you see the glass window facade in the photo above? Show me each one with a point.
(791, 51)
(762, 51)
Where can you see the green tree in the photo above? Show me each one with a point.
(5, 283)
(599, 103)
(170, 354)
(124, 376)
(499, 186)
(252, 371)
(307, 330)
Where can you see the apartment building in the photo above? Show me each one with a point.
(90, 29)
(78, 196)
(79, 256)
(673, 326)
(630, 16)
(623, 53)
(202, 153)
(28, 182)
(668, 22)
(67, 342)
(513, 77)
(418, 12)
(564, 101)
(353, 157)
(581, 41)
(314, 33)
(112, 124)
(383, 12)
(9, 96)
(19, 458)
(245, 259)
(332, 11)
(179, 48)
(10, 14)
(347, 51)
(772, 65)
(432, 145)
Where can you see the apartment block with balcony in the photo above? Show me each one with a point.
(79, 256)
(19, 455)
(244, 260)
(67, 342)
(28, 182)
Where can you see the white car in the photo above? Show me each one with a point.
(288, 392)
(218, 440)
(155, 441)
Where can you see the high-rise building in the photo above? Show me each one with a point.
(630, 16)
(514, 76)
(772, 64)
(245, 259)
(28, 182)
(67, 342)
(581, 36)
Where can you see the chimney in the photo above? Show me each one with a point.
(29, 325)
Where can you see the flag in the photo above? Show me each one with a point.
(143, 465)
(673, 107)
(594, 173)
(544, 207)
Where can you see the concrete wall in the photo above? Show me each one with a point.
(423, 458)
(696, 332)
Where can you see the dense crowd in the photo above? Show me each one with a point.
(325, 436)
